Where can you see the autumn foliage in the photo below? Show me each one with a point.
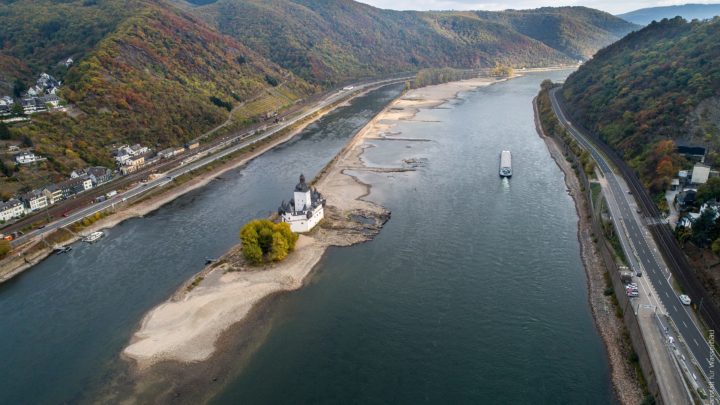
(265, 241)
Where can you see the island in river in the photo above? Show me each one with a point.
(184, 332)
(186, 327)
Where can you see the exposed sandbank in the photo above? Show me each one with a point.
(186, 328)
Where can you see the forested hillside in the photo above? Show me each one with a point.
(331, 41)
(36, 35)
(661, 83)
(161, 78)
(161, 73)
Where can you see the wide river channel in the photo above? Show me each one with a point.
(474, 291)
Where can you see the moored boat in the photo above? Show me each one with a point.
(61, 250)
(93, 237)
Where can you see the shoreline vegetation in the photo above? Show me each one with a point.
(626, 385)
(228, 297)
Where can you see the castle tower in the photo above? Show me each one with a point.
(302, 195)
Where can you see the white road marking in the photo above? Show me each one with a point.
(696, 343)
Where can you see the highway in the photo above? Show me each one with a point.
(225, 148)
(643, 255)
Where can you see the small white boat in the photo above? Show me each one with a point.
(93, 237)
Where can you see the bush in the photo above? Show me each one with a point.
(5, 247)
(266, 241)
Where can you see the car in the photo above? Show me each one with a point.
(685, 299)
(629, 191)
(632, 294)
(639, 273)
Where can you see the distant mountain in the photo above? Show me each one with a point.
(645, 16)
(328, 41)
(161, 72)
(658, 84)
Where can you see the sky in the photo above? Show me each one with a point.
(611, 6)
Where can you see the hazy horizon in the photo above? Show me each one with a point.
(612, 6)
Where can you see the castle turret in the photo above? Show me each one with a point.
(302, 196)
(305, 210)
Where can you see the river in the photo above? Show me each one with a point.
(473, 292)
(64, 322)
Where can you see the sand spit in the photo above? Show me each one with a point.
(186, 327)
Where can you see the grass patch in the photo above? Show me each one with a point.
(195, 283)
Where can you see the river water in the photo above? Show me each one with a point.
(473, 292)
(64, 322)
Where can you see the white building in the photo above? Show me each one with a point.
(11, 209)
(305, 210)
(700, 173)
(35, 200)
(27, 157)
(124, 153)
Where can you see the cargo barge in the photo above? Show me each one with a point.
(505, 164)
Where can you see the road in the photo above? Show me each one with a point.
(643, 254)
(218, 151)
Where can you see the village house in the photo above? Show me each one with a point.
(27, 158)
(167, 153)
(132, 165)
(125, 153)
(305, 210)
(34, 200)
(53, 193)
(11, 209)
(74, 186)
(6, 104)
(98, 174)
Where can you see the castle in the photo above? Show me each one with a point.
(305, 210)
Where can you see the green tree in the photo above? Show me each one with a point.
(704, 228)
(264, 240)
(17, 110)
(279, 247)
(709, 191)
(4, 132)
(18, 88)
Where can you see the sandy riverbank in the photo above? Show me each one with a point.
(609, 326)
(186, 328)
